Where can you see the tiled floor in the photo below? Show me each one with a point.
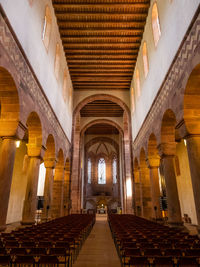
(99, 249)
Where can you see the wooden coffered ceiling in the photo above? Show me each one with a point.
(101, 40)
(102, 128)
(101, 108)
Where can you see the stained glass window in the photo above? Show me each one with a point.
(89, 170)
(102, 171)
(114, 171)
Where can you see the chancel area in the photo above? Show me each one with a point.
(100, 133)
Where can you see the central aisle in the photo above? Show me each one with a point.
(99, 249)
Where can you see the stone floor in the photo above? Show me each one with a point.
(99, 249)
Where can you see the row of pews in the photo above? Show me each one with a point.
(53, 243)
(140, 242)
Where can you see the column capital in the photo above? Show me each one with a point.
(184, 132)
(189, 136)
(49, 163)
(153, 162)
(35, 151)
(13, 128)
(167, 149)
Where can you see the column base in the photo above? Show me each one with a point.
(2, 228)
(27, 222)
(179, 225)
(198, 229)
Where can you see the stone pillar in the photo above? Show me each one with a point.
(127, 162)
(138, 197)
(146, 192)
(48, 188)
(66, 193)
(167, 153)
(30, 202)
(75, 180)
(57, 208)
(7, 159)
(153, 165)
(193, 149)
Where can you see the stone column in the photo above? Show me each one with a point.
(193, 149)
(58, 192)
(127, 162)
(75, 180)
(153, 165)
(7, 159)
(138, 197)
(167, 153)
(66, 193)
(128, 176)
(30, 202)
(146, 192)
(48, 188)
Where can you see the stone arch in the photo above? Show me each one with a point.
(99, 121)
(34, 134)
(191, 103)
(92, 98)
(168, 127)
(50, 148)
(153, 156)
(9, 104)
(60, 159)
(103, 139)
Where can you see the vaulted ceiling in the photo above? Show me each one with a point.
(101, 40)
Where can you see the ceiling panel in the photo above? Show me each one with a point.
(101, 40)
(102, 129)
(101, 108)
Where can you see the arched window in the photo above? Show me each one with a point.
(65, 93)
(145, 59)
(138, 83)
(101, 171)
(155, 24)
(114, 170)
(57, 61)
(89, 169)
(70, 97)
(46, 28)
(132, 99)
(41, 180)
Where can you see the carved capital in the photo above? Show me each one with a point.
(167, 149)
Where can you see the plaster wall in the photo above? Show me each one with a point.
(18, 186)
(175, 18)
(184, 184)
(27, 22)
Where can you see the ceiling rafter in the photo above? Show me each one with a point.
(101, 40)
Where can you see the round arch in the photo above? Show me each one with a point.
(9, 104)
(102, 139)
(191, 104)
(92, 98)
(99, 121)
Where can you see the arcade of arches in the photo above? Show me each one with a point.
(87, 128)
